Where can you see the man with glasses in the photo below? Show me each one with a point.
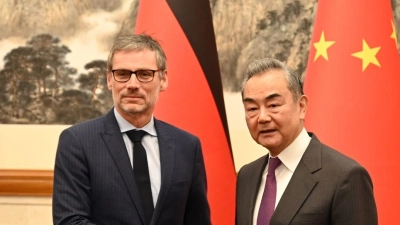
(127, 167)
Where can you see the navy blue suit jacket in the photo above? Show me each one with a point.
(94, 181)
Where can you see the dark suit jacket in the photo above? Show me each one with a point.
(94, 181)
(326, 188)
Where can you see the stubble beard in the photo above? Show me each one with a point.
(129, 108)
(133, 109)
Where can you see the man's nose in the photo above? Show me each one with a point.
(264, 115)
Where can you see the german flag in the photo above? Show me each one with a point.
(194, 98)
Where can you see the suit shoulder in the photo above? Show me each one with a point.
(92, 125)
(337, 159)
(174, 129)
(250, 167)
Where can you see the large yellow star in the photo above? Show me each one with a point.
(394, 33)
(368, 55)
(322, 47)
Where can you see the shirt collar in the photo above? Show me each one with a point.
(125, 126)
(291, 156)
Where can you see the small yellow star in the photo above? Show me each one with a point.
(394, 33)
(368, 55)
(322, 47)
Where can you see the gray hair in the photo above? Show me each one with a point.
(258, 67)
(138, 42)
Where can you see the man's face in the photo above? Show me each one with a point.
(273, 118)
(134, 98)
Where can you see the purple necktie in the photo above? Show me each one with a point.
(267, 206)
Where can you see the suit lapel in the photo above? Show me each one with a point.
(300, 185)
(252, 187)
(115, 144)
(167, 151)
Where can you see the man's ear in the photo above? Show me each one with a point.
(303, 103)
(109, 83)
(164, 81)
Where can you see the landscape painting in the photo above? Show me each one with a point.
(54, 59)
(54, 53)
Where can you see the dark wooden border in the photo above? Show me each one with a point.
(26, 182)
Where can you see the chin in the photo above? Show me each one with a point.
(136, 110)
(268, 145)
(263, 144)
(129, 109)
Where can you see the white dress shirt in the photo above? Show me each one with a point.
(290, 158)
(150, 144)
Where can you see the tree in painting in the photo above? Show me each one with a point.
(38, 85)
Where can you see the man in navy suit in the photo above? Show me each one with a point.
(301, 180)
(94, 178)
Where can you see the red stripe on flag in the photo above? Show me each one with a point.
(188, 103)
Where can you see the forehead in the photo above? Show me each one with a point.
(270, 82)
(142, 57)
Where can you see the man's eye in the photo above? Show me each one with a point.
(122, 73)
(273, 105)
(144, 73)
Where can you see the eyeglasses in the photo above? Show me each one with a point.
(143, 76)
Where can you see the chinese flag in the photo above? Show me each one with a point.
(194, 98)
(353, 85)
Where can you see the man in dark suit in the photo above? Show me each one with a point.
(301, 180)
(99, 177)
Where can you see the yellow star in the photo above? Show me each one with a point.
(368, 55)
(322, 47)
(394, 34)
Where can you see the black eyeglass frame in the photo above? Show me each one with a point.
(134, 72)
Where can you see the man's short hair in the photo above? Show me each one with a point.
(261, 66)
(138, 42)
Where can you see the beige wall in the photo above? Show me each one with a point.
(28, 146)
(34, 147)
(25, 211)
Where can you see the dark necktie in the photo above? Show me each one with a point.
(141, 171)
(267, 206)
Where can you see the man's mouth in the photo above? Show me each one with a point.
(132, 96)
(267, 131)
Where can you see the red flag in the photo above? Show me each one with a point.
(352, 81)
(194, 98)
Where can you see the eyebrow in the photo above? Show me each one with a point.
(269, 97)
